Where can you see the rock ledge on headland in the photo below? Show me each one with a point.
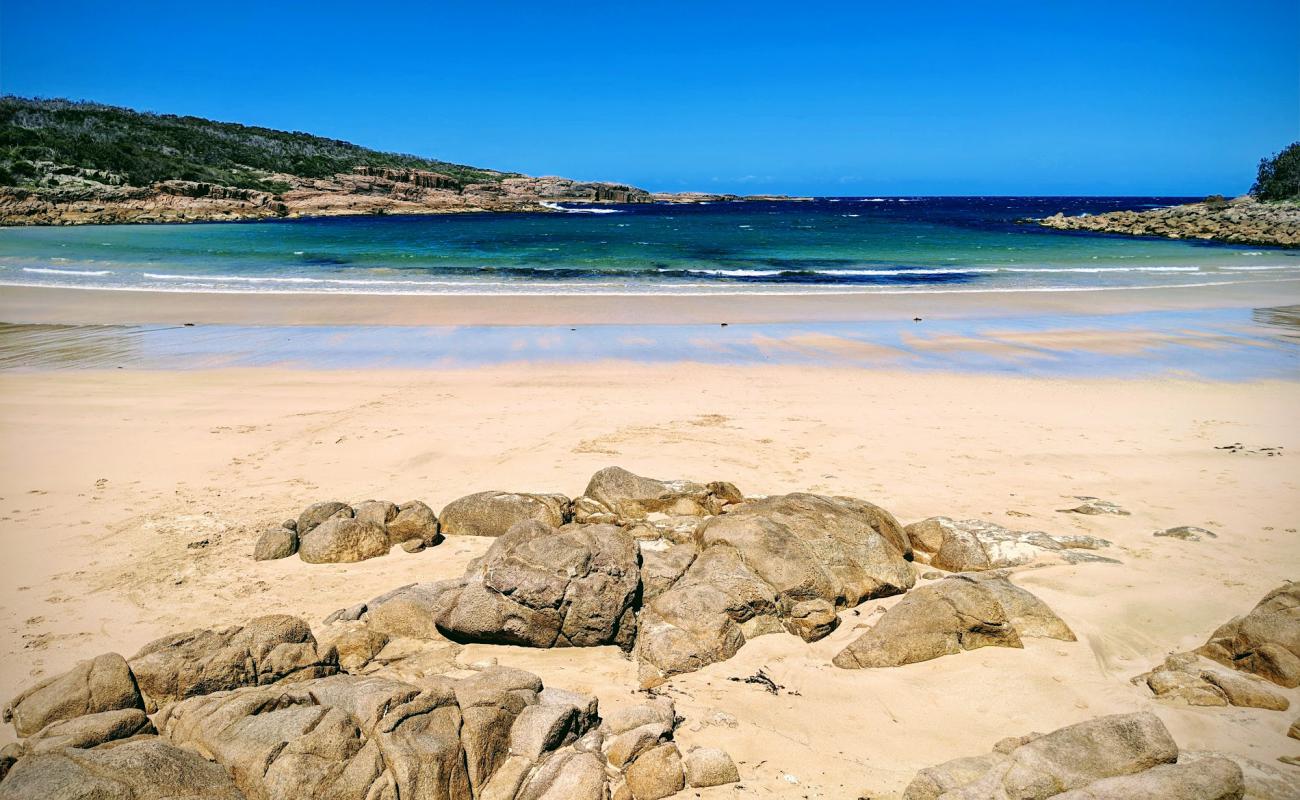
(1243, 220)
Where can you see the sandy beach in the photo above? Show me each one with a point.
(132, 500)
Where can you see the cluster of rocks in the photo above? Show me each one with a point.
(335, 532)
(681, 574)
(1243, 220)
(264, 711)
(1257, 649)
(1117, 757)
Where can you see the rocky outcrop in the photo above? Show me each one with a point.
(1243, 220)
(494, 513)
(615, 495)
(267, 650)
(1111, 758)
(103, 683)
(540, 586)
(779, 563)
(1200, 682)
(972, 545)
(147, 769)
(335, 532)
(417, 177)
(1266, 641)
(961, 612)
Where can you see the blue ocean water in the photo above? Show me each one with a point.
(830, 245)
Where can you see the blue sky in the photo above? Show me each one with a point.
(1040, 97)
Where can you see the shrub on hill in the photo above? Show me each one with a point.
(1279, 176)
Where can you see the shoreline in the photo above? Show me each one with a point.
(62, 306)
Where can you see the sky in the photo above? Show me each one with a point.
(825, 98)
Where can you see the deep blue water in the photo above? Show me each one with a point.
(828, 245)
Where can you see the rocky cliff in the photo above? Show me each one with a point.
(1243, 220)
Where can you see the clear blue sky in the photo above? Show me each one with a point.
(1042, 97)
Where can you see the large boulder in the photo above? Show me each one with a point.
(629, 497)
(779, 563)
(961, 612)
(1038, 767)
(342, 540)
(275, 543)
(495, 513)
(1206, 779)
(1266, 641)
(316, 513)
(103, 683)
(415, 526)
(145, 769)
(573, 586)
(972, 545)
(268, 649)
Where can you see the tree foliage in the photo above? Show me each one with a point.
(118, 145)
(1279, 176)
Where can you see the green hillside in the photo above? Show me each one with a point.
(43, 142)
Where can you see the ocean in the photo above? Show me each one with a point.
(829, 245)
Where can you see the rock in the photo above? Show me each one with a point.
(707, 766)
(631, 497)
(103, 683)
(1263, 781)
(414, 522)
(342, 540)
(495, 513)
(544, 727)
(147, 769)
(625, 747)
(1094, 506)
(962, 612)
(1266, 641)
(1243, 220)
(567, 776)
(317, 513)
(1245, 690)
(290, 524)
(349, 614)
(276, 543)
(1294, 730)
(659, 711)
(779, 563)
(656, 773)
(356, 646)
(660, 568)
(376, 512)
(539, 586)
(1207, 779)
(90, 730)
(1188, 533)
(972, 545)
(1068, 758)
(198, 662)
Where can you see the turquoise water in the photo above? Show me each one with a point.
(835, 245)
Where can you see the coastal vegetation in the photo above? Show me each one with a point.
(1279, 176)
(48, 143)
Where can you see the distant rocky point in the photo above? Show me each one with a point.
(71, 163)
(1242, 220)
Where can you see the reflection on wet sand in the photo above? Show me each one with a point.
(1223, 343)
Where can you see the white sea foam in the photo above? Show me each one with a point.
(1262, 267)
(88, 273)
(558, 207)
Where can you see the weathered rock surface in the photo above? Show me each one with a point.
(540, 586)
(266, 650)
(630, 497)
(1207, 779)
(103, 683)
(1036, 767)
(961, 612)
(1243, 220)
(779, 563)
(276, 543)
(495, 513)
(1093, 506)
(656, 773)
(971, 545)
(316, 513)
(148, 769)
(707, 766)
(1265, 641)
(1200, 682)
(342, 540)
(90, 730)
(414, 527)
(1188, 533)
